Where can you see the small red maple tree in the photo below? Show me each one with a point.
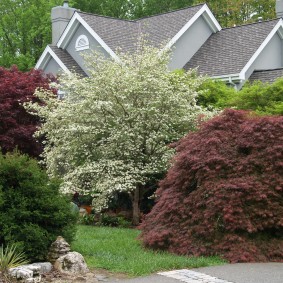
(224, 193)
(16, 125)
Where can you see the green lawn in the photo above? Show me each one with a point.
(118, 250)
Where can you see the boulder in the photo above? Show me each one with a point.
(25, 273)
(57, 249)
(30, 273)
(71, 263)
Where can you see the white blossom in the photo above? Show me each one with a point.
(112, 130)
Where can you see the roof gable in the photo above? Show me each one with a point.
(115, 34)
(278, 28)
(229, 51)
(61, 57)
(76, 20)
(171, 26)
(45, 57)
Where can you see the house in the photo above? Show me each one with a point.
(234, 55)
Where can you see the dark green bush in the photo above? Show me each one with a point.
(33, 212)
(113, 221)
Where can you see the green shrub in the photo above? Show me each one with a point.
(263, 98)
(87, 219)
(113, 221)
(215, 93)
(33, 212)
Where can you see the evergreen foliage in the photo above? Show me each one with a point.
(224, 192)
(33, 213)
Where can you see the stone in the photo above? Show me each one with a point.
(45, 267)
(57, 249)
(25, 273)
(71, 263)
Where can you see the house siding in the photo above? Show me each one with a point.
(78, 55)
(189, 43)
(52, 67)
(269, 58)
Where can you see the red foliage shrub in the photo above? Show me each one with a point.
(224, 192)
(16, 125)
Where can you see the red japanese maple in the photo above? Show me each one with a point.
(16, 125)
(224, 193)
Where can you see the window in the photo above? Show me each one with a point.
(82, 43)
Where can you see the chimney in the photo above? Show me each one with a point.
(279, 8)
(60, 17)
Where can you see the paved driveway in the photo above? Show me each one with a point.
(235, 273)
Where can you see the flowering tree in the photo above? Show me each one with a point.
(112, 130)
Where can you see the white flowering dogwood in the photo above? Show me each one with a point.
(112, 130)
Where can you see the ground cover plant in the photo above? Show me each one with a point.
(224, 192)
(119, 250)
(111, 131)
(33, 213)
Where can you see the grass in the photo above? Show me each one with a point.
(118, 250)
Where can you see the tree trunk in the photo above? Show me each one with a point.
(136, 206)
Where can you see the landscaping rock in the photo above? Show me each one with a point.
(71, 263)
(45, 267)
(26, 273)
(57, 249)
(30, 273)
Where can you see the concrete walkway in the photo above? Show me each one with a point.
(229, 273)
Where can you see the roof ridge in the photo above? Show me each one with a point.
(254, 23)
(137, 20)
(107, 17)
(172, 11)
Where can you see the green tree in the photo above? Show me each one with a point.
(25, 30)
(123, 9)
(152, 7)
(112, 131)
(235, 12)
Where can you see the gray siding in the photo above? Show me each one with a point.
(52, 67)
(189, 43)
(93, 45)
(270, 57)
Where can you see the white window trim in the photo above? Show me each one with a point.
(83, 47)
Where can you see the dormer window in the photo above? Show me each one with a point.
(82, 43)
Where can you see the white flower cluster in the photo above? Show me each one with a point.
(112, 130)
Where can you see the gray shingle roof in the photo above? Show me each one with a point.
(229, 50)
(115, 33)
(68, 60)
(124, 34)
(266, 76)
(163, 27)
